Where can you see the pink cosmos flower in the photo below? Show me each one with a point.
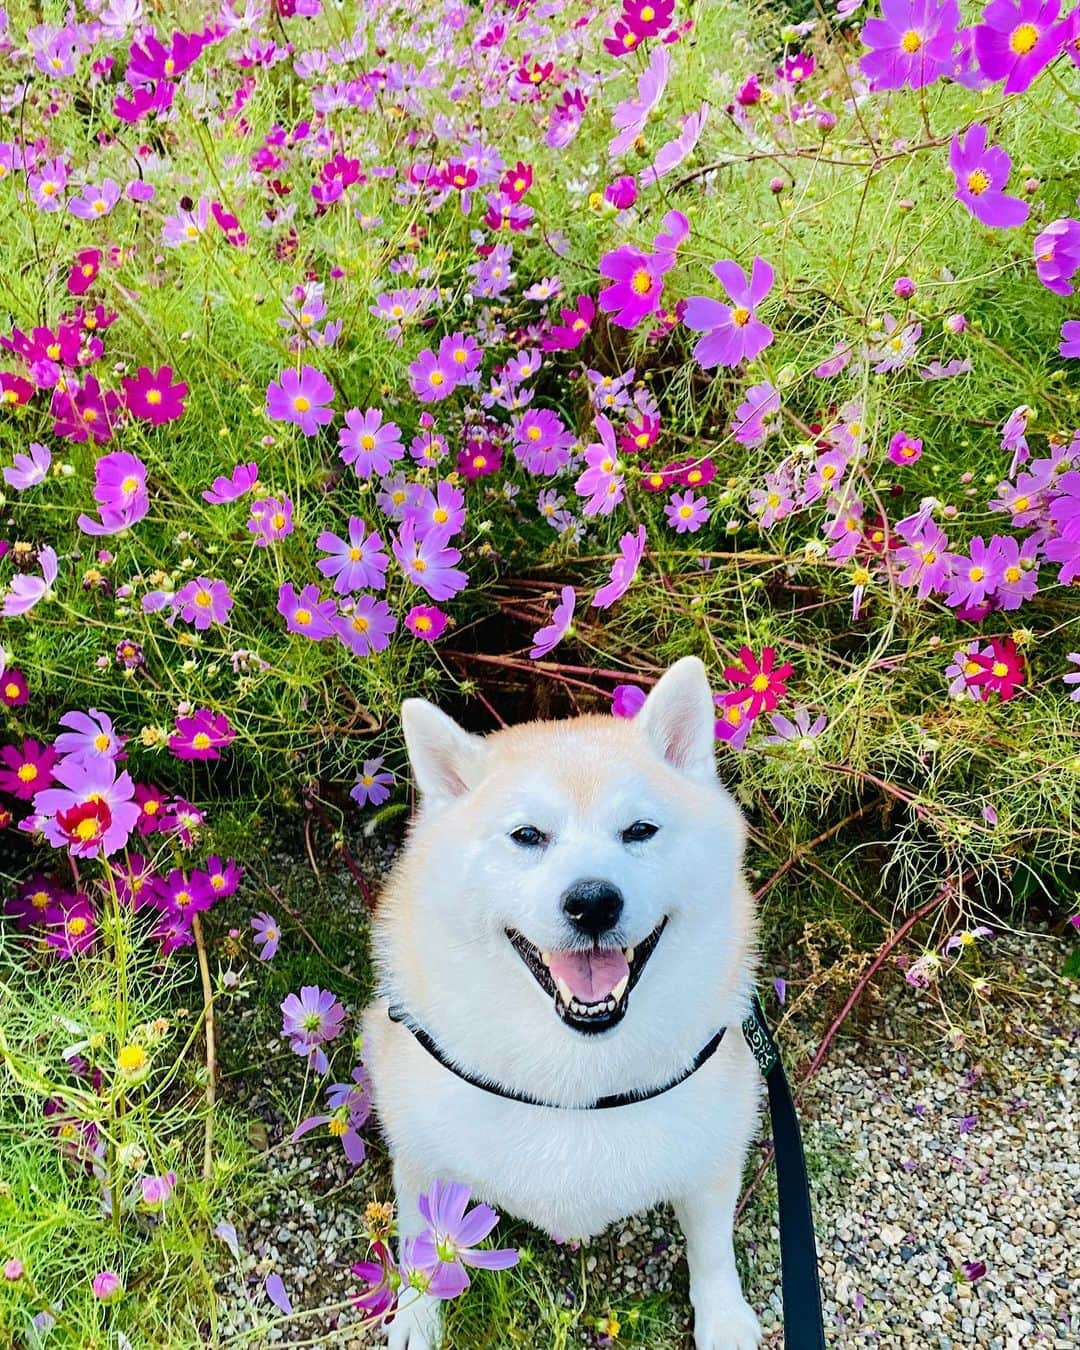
(14, 690)
(89, 735)
(47, 183)
(686, 513)
(672, 153)
(309, 1021)
(92, 813)
(203, 602)
(181, 896)
(271, 519)
(307, 613)
(548, 638)
(301, 398)
(542, 443)
(912, 43)
(631, 116)
(733, 333)
(30, 469)
(426, 622)
(624, 569)
(754, 416)
(974, 578)
(95, 200)
(203, 735)
(1057, 257)
(27, 590)
(1070, 338)
(452, 1235)
(267, 935)
(366, 626)
(368, 443)
(428, 561)
(120, 490)
(602, 480)
(157, 1190)
(1018, 39)
(349, 1107)
(107, 1286)
(440, 509)
(981, 172)
(431, 377)
(357, 563)
(154, 396)
(242, 479)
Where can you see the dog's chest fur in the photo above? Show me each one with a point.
(570, 1173)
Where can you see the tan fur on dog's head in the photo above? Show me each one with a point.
(591, 788)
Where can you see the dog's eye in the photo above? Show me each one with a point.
(528, 836)
(639, 832)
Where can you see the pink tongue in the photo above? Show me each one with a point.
(591, 975)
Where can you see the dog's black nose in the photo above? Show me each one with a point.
(593, 907)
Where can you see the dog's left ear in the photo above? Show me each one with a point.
(678, 719)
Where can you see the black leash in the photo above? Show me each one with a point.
(803, 1328)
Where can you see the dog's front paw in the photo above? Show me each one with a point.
(725, 1322)
(415, 1325)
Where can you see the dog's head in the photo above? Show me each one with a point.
(577, 857)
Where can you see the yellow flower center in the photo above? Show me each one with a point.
(26, 773)
(422, 623)
(759, 683)
(40, 899)
(1013, 574)
(337, 1126)
(437, 378)
(77, 926)
(686, 512)
(367, 441)
(911, 41)
(12, 690)
(972, 667)
(976, 573)
(201, 741)
(153, 397)
(860, 577)
(999, 670)
(203, 598)
(641, 282)
(361, 623)
(534, 433)
(740, 316)
(356, 554)
(1021, 504)
(130, 483)
(302, 404)
(978, 181)
(440, 515)
(1023, 38)
(101, 742)
(302, 617)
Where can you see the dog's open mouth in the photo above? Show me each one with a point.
(591, 988)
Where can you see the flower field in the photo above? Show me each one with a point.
(498, 352)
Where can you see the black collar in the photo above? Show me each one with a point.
(398, 1014)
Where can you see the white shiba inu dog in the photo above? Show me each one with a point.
(569, 920)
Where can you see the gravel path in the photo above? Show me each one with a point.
(924, 1158)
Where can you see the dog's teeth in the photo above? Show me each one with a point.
(565, 992)
(629, 954)
(546, 958)
(619, 990)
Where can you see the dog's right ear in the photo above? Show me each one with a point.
(446, 760)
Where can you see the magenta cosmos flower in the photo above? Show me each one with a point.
(912, 43)
(27, 769)
(763, 683)
(203, 602)
(307, 613)
(632, 115)
(153, 396)
(373, 784)
(271, 519)
(981, 172)
(309, 1021)
(624, 569)
(1017, 41)
(637, 280)
(203, 735)
(548, 638)
(426, 622)
(428, 561)
(301, 397)
(368, 443)
(904, 449)
(357, 563)
(71, 925)
(733, 333)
